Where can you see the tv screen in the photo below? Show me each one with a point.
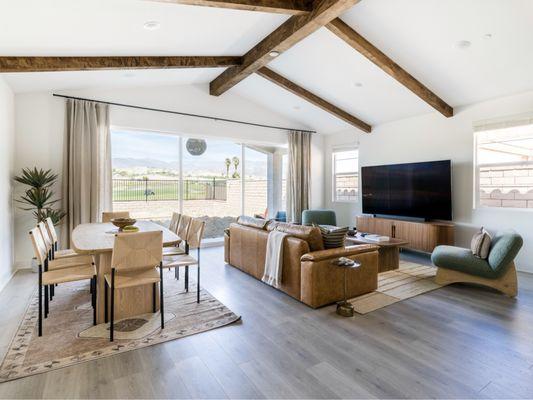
(420, 190)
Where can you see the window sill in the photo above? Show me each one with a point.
(490, 208)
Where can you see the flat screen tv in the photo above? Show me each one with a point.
(419, 190)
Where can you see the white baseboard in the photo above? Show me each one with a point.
(4, 284)
(22, 265)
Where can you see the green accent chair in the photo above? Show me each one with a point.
(319, 217)
(456, 264)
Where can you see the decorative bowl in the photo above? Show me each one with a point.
(120, 223)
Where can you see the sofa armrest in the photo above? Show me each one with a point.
(323, 282)
(339, 252)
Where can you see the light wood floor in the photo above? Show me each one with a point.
(456, 342)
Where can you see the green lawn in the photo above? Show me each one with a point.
(136, 190)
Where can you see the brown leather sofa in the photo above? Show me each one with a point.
(307, 273)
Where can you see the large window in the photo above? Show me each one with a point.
(504, 167)
(155, 174)
(345, 175)
(146, 172)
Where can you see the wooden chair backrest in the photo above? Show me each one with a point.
(196, 231)
(39, 247)
(183, 226)
(140, 250)
(174, 222)
(45, 235)
(107, 216)
(51, 229)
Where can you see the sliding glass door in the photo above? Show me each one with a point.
(211, 182)
(155, 174)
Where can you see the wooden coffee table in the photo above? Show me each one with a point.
(389, 251)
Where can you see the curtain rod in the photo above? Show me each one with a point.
(182, 113)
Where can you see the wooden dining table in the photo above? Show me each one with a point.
(98, 239)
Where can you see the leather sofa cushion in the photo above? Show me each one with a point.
(331, 254)
(310, 234)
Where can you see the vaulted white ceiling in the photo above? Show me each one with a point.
(420, 35)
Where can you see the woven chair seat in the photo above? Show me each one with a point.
(79, 273)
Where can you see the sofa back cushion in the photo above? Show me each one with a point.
(504, 248)
(310, 234)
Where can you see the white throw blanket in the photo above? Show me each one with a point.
(274, 258)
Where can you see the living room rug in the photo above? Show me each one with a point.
(69, 336)
(410, 280)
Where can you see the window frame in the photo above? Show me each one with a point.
(477, 172)
(334, 174)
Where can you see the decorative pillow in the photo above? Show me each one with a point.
(333, 236)
(480, 244)
(252, 222)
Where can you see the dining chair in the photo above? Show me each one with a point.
(63, 259)
(52, 272)
(174, 221)
(182, 223)
(183, 226)
(52, 235)
(182, 230)
(193, 240)
(107, 216)
(134, 262)
(173, 226)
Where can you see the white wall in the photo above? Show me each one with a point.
(7, 146)
(40, 120)
(433, 137)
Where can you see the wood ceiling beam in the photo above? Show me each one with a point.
(367, 49)
(291, 7)
(313, 99)
(283, 38)
(46, 64)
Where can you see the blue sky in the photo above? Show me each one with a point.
(141, 145)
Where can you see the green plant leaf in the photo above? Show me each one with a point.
(55, 215)
(36, 178)
(38, 199)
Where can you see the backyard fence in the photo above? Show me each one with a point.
(162, 189)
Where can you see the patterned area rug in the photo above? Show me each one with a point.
(408, 281)
(70, 338)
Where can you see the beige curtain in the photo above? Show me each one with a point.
(86, 164)
(298, 179)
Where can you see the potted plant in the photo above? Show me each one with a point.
(39, 198)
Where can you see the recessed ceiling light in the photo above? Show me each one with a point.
(358, 84)
(151, 25)
(273, 53)
(463, 44)
(487, 36)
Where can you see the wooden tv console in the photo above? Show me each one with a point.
(422, 236)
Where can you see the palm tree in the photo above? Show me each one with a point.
(236, 162)
(228, 164)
